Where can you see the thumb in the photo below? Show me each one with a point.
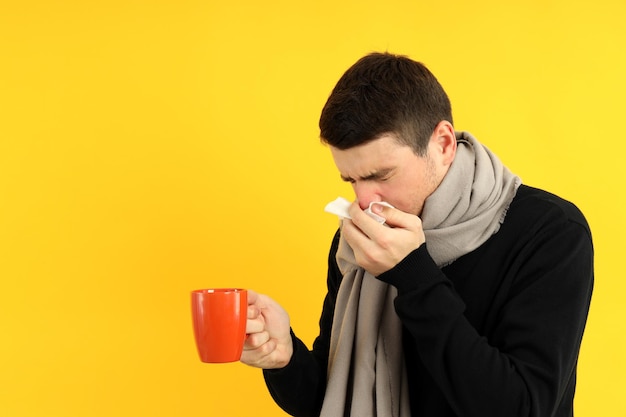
(253, 297)
(387, 213)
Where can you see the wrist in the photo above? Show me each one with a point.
(405, 277)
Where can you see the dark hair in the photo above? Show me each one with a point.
(384, 93)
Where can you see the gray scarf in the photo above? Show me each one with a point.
(366, 371)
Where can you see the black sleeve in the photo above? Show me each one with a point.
(299, 387)
(526, 365)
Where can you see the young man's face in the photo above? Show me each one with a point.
(385, 170)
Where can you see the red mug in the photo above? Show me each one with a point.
(219, 323)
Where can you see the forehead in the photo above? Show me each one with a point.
(379, 154)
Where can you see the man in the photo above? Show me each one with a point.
(470, 300)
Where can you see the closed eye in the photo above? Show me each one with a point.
(379, 175)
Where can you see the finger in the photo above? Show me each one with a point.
(255, 340)
(390, 214)
(356, 239)
(255, 326)
(353, 235)
(253, 312)
(366, 224)
(253, 297)
(259, 356)
(397, 219)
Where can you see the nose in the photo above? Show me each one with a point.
(366, 192)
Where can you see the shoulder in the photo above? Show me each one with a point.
(534, 209)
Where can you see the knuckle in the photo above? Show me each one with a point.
(367, 259)
(266, 348)
(385, 242)
(255, 340)
(253, 312)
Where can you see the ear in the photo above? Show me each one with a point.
(443, 142)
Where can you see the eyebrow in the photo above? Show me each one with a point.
(373, 176)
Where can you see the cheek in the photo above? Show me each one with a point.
(407, 196)
(398, 196)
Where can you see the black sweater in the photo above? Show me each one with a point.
(495, 333)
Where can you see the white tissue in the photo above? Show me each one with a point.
(339, 207)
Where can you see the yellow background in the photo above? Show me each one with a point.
(148, 148)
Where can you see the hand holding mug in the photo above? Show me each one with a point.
(268, 344)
